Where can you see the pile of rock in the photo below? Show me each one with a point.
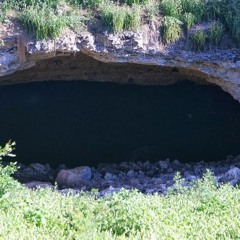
(145, 176)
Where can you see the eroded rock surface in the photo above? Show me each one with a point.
(129, 57)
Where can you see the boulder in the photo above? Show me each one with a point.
(74, 177)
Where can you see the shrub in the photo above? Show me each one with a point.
(171, 8)
(188, 20)
(195, 7)
(7, 183)
(171, 29)
(198, 40)
(132, 2)
(152, 9)
(118, 18)
(42, 22)
(132, 18)
(88, 3)
(215, 33)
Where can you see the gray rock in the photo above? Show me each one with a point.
(163, 164)
(232, 176)
(176, 162)
(131, 173)
(108, 176)
(150, 191)
(176, 165)
(109, 190)
(73, 177)
(191, 178)
(159, 181)
(37, 184)
(40, 168)
(170, 170)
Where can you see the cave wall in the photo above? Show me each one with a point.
(82, 67)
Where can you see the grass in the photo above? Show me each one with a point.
(198, 40)
(118, 18)
(171, 29)
(201, 211)
(42, 22)
(42, 18)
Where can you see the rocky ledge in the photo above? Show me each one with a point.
(24, 60)
(146, 177)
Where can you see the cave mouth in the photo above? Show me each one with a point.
(85, 123)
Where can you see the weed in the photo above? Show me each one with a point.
(188, 20)
(118, 18)
(198, 40)
(215, 33)
(171, 29)
(171, 8)
(42, 22)
(132, 2)
(152, 9)
(132, 18)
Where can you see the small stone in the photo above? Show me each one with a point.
(131, 173)
(191, 178)
(150, 191)
(187, 174)
(108, 176)
(40, 168)
(176, 165)
(124, 166)
(159, 181)
(37, 184)
(163, 164)
(232, 176)
(176, 162)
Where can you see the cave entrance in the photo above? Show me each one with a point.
(83, 123)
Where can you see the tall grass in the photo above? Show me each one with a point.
(171, 29)
(42, 22)
(87, 3)
(132, 2)
(118, 18)
(39, 16)
(198, 40)
(215, 33)
(197, 11)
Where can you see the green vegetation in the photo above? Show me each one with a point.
(198, 40)
(119, 18)
(200, 211)
(215, 33)
(47, 18)
(42, 22)
(171, 29)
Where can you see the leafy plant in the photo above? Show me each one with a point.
(42, 22)
(188, 20)
(88, 3)
(195, 7)
(7, 183)
(171, 29)
(118, 18)
(215, 33)
(132, 2)
(152, 9)
(132, 18)
(198, 40)
(171, 8)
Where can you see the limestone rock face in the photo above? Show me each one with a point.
(156, 64)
